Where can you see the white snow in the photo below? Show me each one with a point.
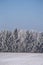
(21, 59)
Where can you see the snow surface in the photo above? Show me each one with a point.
(21, 59)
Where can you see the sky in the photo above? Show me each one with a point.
(21, 14)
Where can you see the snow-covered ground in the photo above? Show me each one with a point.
(21, 59)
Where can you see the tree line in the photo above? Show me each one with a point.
(21, 41)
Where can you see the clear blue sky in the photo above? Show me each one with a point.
(21, 14)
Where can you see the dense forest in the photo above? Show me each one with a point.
(21, 41)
